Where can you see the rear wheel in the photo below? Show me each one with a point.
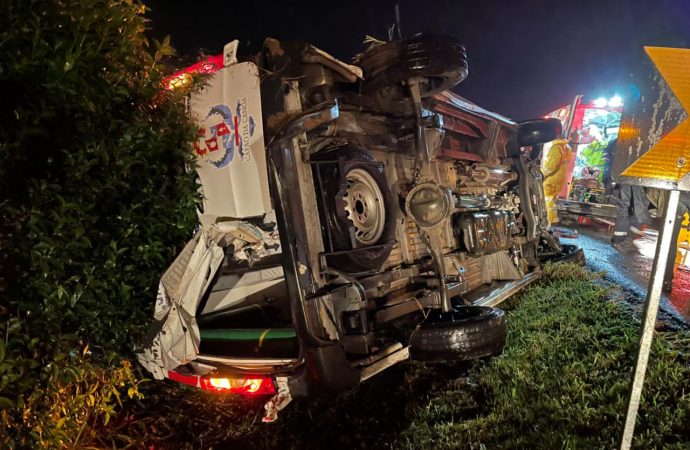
(466, 333)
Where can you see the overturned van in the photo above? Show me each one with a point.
(354, 216)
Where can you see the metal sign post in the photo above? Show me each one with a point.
(654, 150)
(651, 308)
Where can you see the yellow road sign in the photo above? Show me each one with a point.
(669, 159)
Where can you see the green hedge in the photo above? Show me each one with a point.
(95, 196)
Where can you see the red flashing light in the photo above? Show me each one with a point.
(181, 78)
(256, 385)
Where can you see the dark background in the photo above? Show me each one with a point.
(527, 57)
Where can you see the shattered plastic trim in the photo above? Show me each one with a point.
(278, 401)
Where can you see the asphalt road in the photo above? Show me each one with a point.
(631, 270)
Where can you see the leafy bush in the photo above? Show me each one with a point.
(95, 196)
(74, 407)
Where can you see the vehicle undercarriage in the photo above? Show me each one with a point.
(401, 214)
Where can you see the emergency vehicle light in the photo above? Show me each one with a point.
(614, 102)
(601, 102)
(183, 77)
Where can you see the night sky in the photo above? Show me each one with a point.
(526, 57)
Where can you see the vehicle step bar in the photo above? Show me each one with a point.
(399, 354)
(378, 356)
(497, 296)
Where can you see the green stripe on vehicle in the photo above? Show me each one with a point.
(247, 334)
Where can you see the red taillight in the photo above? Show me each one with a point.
(219, 383)
(248, 386)
(256, 385)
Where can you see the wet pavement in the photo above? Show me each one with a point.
(631, 270)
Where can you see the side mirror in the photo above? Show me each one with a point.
(538, 131)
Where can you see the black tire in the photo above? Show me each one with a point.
(341, 229)
(440, 59)
(469, 332)
(570, 254)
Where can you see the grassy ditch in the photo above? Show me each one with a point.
(561, 382)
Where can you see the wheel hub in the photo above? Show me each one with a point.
(365, 206)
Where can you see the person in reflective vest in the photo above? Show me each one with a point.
(555, 168)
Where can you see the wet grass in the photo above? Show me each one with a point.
(563, 379)
(562, 382)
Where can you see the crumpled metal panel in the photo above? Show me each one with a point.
(174, 337)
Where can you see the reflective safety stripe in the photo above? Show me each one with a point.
(263, 336)
(620, 233)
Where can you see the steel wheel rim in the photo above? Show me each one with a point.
(365, 206)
